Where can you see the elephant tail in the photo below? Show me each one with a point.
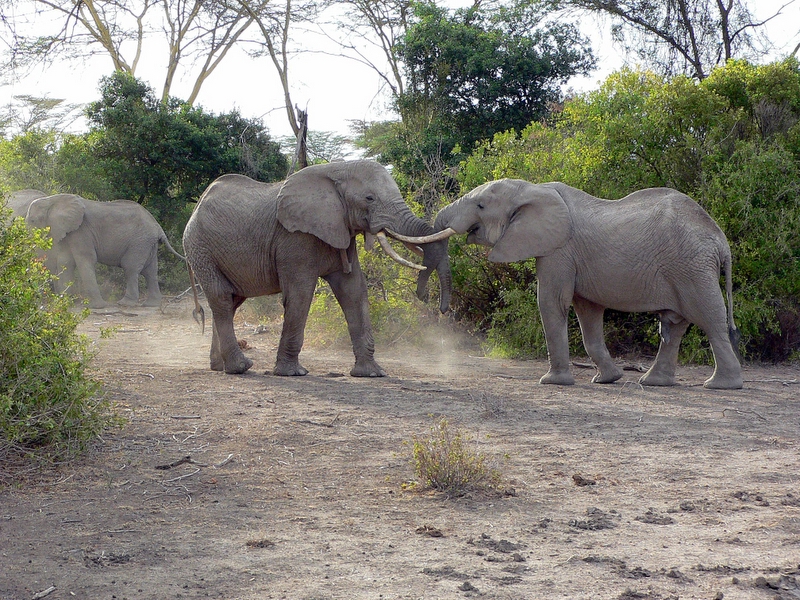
(733, 332)
(165, 241)
(198, 314)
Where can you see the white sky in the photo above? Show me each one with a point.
(334, 90)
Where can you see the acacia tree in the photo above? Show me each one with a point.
(690, 37)
(196, 32)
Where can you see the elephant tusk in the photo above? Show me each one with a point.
(415, 249)
(425, 239)
(387, 247)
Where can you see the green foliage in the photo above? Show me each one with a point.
(163, 155)
(28, 160)
(445, 462)
(732, 142)
(50, 407)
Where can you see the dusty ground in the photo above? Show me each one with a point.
(294, 488)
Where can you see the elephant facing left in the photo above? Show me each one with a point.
(118, 234)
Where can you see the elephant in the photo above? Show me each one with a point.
(247, 238)
(655, 250)
(120, 233)
(20, 200)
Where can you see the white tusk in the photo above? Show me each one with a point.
(387, 247)
(425, 239)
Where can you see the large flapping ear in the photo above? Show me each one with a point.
(310, 201)
(539, 225)
(63, 213)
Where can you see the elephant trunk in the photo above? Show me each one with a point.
(435, 256)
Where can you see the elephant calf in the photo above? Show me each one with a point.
(655, 250)
(118, 234)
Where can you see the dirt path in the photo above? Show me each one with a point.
(294, 488)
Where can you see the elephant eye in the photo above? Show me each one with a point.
(480, 205)
(370, 198)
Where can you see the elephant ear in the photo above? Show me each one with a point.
(63, 213)
(540, 224)
(310, 201)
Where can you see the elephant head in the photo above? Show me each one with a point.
(336, 201)
(517, 219)
(62, 213)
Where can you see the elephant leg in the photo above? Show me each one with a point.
(131, 297)
(727, 369)
(226, 355)
(297, 296)
(554, 301)
(662, 371)
(590, 317)
(150, 274)
(85, 265)
(351, 292)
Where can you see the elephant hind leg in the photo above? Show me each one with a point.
(150, 274)
(590, 317)
(226, 355)
(662, 371)
(727, 369)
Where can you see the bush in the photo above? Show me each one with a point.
(445, 463)
(49, 407)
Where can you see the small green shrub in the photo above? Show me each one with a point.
(49, 407)
(445, 462)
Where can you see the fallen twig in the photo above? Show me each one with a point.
(44, 593)
(195, 472)
(742, 412)
(180, 461)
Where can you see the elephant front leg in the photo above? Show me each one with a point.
(86, 271)
(590, 317)
(351, 293)
(297, 297)
(554, 308)
(662, 371)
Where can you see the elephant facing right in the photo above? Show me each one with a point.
(656, 250)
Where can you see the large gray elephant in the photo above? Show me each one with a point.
(247, 238)
(655, 250)
(118, 234)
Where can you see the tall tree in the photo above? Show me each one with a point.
(683, 36)
(196, 32)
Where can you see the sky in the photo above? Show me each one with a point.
(333, 90)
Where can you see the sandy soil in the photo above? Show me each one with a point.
(295, 486)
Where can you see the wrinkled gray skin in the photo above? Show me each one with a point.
(118, 234)
(249, 239)
(655, 250)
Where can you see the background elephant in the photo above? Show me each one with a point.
(118, 234)
(655, 250)
(20, 200)
(248, 239)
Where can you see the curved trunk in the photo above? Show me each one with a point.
(435, 256)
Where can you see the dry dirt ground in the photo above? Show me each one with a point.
(295, 486)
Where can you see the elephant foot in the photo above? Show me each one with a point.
(611, 377)
(238, 365)
(657, 379)
(289, 370)
(367, 368)
(127, 302)
(719, 382)
(155, 302)
(558, 378)
(98, 304)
